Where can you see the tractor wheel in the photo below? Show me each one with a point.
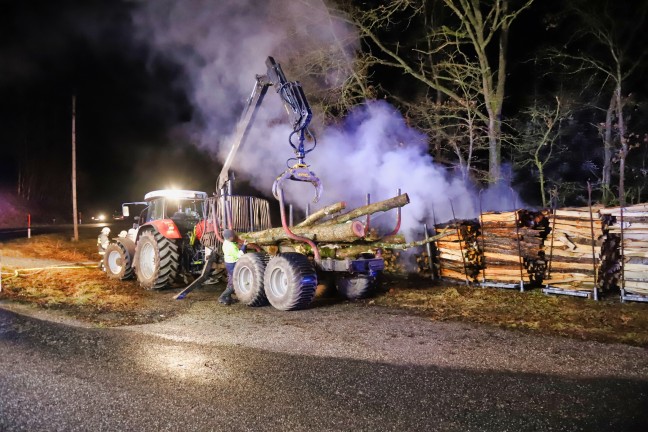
(118, 262)
(354, 287)
(290, 281)
(157, 260)
(248, 279)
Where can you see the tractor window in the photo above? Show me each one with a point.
(155, 210)
(191, 209)
(187, 209)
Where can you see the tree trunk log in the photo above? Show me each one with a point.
(388, 204)
(339, 233)
(355, 250)
(321, 213)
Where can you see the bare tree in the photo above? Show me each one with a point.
(475, 29)
(455, 127)
(539, 134)
(613, 49)
(329, 63)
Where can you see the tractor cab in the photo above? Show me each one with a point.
(173, 212)
(184, 207)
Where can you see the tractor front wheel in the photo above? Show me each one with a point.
(118, 261)
(157, 261)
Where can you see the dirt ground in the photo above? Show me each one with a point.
(53, 273)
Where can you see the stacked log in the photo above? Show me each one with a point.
(340, 236)
(458, 256)
(512, 245)
(627, 234)
(573, 249)
(326, 226)
(610, 267)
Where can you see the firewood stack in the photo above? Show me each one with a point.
(632, 274)
(610, 268)
(424, 266)
(512, 246)
(573, 249)
(458, 255)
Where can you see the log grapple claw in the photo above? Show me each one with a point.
(298, 172)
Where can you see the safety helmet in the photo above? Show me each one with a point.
(229, 234)
(105, 230)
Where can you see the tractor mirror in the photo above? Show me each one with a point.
(125, 211)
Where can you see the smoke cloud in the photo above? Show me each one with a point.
(222, 45)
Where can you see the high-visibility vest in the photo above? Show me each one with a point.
(231, 252)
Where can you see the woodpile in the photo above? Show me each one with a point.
(458, 255)
(512, 247)
(573, 249)
(627, 235)
(424, 265)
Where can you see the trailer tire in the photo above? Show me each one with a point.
(290, 281)
(354, 287)
(157, 260)
(118, 261)
(248, 279)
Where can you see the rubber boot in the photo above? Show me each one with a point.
(226, 297)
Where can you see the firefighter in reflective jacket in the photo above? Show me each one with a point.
(102, 243)
(231, 254)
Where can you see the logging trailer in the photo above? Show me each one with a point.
(286, 273)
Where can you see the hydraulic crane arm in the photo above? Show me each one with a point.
(298, 109)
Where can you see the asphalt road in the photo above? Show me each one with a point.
(337, 368)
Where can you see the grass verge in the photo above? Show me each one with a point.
(607, 320)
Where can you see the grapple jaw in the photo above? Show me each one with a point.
(298, 172)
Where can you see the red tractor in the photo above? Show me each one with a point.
(163, 245)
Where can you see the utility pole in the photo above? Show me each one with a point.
(74, 192)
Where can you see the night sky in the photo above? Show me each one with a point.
(141, 96)
(126, 103)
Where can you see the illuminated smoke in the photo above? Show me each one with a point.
(223, 44)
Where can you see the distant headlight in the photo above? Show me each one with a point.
(101, 217)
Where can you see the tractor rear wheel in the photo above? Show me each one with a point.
(118, 261)
(290, 281)
(158, 260)
(354, 287)
(248, 279)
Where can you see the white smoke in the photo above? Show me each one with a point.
(222, 44)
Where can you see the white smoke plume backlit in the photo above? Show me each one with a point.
(222, 45)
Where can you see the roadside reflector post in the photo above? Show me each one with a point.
(28, 225)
